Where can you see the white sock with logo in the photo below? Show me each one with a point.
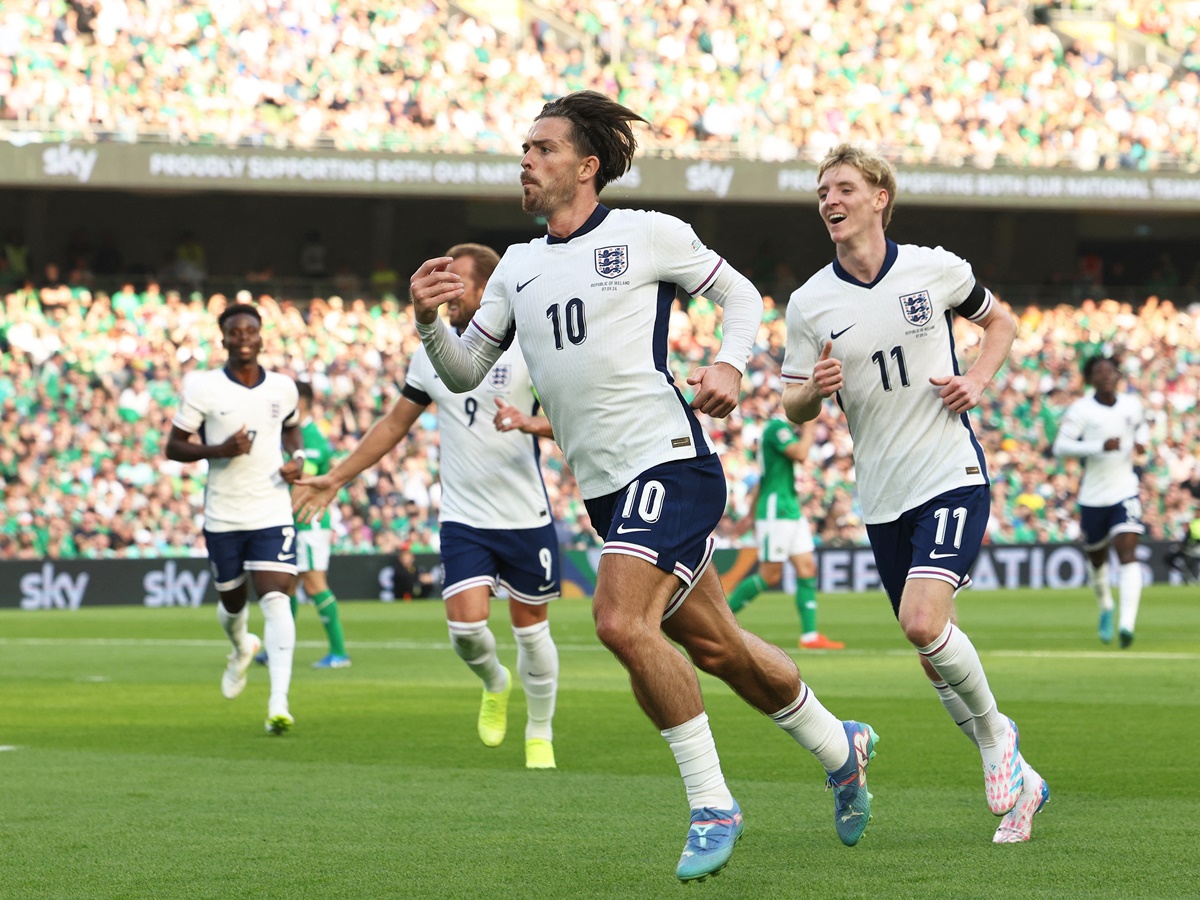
(1131, 594)
(476, 646)
(1098, 575)
(958, 710)
(537, 664)
(234, 624)
(815, 729)
(955, 659)
(279, 640)
(696, 754)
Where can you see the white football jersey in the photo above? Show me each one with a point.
(246, 492)
(1108, 476)
(892, 336)
(490, 478)
(592, 312)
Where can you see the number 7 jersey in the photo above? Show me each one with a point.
(892, 336)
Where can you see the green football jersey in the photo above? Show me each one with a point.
(777, 487)
(318, 455)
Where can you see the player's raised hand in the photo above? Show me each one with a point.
(959, 393)
(508, 417)
(237, 444)
(431, 286)
(292, 469)
(827, 373)
(311, 497)
(719, 387)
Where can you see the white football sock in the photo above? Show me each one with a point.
(1103, 590)
(954, 658)
(537, 664)
(958, 710)
(279, 640)
(1131, 594)
(696, 753)
(815, 729)
(234, 624)
(476, 646)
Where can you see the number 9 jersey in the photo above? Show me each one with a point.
(489, 478)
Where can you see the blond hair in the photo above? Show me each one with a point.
(486, 259)
(874, 168)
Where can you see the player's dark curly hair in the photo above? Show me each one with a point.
(600, 127)
(1089, 365)
(238, 309)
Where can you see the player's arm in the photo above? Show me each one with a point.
(313, 495)
(293, 449)
(747, 522)
(960, 393)
(461, 361)
(720, 385)
(181, 447)
(798, 450)
(509, 418)
(1070, 441)
(802, 402)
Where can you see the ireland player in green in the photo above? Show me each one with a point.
(781, 531)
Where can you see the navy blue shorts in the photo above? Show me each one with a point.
(234, 553)
(666, 515)
(522, 561)
(939, 539)
(1100, 524)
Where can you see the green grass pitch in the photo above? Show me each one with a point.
(125, 774)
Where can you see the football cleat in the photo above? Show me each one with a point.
(261, 658)
(539, 754)
(233, 680)
(851, 799)
(493, 713)
(1125, 638)
(1002, 771)
(820, 642)
(332, 661)
(1017, 824)
(1106, 626)
(710, 841)
(279, 721)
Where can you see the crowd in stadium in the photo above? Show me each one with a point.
(89, 383)
(939, 82)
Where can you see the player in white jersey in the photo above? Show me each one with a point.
(238, 418)
(496, 526)
(590, 303)
(1106, 430)
(873, 330)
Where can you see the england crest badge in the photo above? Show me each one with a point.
(612, 262)
(918, 308)
(500, 375)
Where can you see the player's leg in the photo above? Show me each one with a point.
(766, 677)
(315, 546)
(1094, 525)
(275, 582)
(1125, 527)
(225, 554)
(529, 571)
(803, 556)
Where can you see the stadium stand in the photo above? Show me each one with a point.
(939, 82)
(88, 384)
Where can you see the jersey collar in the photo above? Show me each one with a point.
(593, 222)
(262, 376)
(889, 260)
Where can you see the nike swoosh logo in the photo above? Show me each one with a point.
(521, 287)
(933, 554)
(834, 335)
(545, 587)
(621, 529)
(284, 557)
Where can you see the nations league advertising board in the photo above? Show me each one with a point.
(157, 583)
